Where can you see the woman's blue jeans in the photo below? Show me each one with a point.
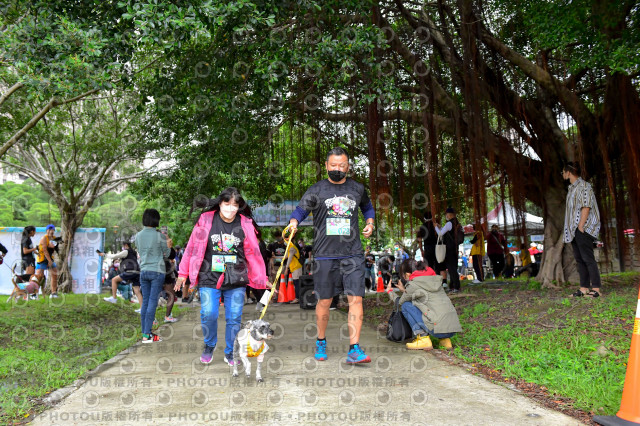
(209, 310)
(151, 283)
(414, 318)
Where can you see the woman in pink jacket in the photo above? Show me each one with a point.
(222, 258)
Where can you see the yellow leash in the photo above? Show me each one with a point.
(284, 259)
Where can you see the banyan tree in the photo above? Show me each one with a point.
(446, 102)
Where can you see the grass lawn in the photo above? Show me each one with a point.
(47, 344)
(574, 350)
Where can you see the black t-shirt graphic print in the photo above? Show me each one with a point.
(225, 245)
(335, 217)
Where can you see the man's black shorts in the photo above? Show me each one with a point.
(335, 276)
(131, 277)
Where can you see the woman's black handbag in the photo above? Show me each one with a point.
(399, 329)
(235, 274)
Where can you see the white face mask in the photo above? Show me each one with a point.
(228, 211)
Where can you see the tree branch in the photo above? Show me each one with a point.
(416, 117)
(39, 116)
(546, 80)
(10, 92)
(116, 182)
(40, 179)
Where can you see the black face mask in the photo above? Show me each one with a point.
(336, 175)
(403, 281)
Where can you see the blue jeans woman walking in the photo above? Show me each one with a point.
(153, 249)
(222, 258)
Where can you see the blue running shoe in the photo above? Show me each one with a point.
(321, 350)
(357, 356)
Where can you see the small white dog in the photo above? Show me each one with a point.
(251, 343)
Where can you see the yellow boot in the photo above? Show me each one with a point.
(445, 343)
(421, 342)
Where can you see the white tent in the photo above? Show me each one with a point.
(533, 224)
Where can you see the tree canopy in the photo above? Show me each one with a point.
(440, 103)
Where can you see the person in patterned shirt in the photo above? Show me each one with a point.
(581, 227)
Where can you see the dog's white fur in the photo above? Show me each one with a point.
(253, 334)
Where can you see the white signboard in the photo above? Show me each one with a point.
(278, 214)
(86, 265)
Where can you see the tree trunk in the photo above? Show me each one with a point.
(558, 263)
(70, 222)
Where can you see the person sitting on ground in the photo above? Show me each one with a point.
(426, 306)
(45, 260)
(113, 272)
(130, 271)
(385, 267)
(525, 258)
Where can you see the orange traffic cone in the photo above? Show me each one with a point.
(629, 413)
(291, 289)
(380, 288)
(282, 290)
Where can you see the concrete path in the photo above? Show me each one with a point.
(165, 383)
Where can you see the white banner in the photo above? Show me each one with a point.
(278, 214)
(86, 265)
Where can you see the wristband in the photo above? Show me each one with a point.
(389, 291)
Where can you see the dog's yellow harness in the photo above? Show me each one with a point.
(251, 353)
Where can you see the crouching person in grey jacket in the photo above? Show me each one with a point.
(425, 305)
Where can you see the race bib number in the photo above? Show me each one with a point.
(338, 226)
(218, 261)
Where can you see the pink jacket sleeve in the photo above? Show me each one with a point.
(183, 268)
(255, 264)
(194, 252)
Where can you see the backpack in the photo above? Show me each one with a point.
(399, 329)
(459, 234)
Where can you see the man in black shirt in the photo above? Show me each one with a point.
(337, 250)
